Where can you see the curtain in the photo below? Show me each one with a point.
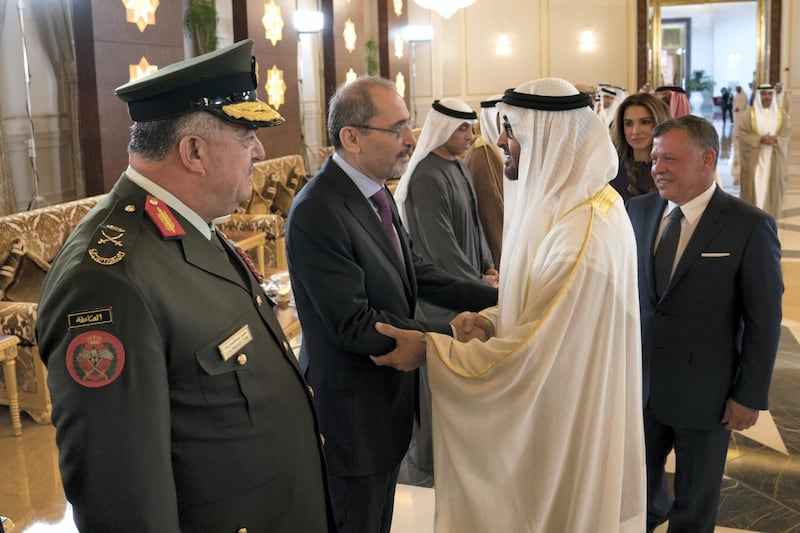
(7, 199)
(53, 19)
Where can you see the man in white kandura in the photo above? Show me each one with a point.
(764, 142)
(539, 428)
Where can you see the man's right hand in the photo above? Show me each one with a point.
(472, 326)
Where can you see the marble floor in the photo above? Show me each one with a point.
(761, 490)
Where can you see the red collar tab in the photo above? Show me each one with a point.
(163, 218)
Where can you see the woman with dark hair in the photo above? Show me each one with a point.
(632, 134)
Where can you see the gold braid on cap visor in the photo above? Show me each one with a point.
(241, 106)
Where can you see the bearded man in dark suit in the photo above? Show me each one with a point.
(351, 265)
(711, 315)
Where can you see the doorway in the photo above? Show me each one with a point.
(720, 59)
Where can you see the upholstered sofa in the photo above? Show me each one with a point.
(28, 243)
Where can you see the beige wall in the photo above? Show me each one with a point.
(461, 60)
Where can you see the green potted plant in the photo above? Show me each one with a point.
(373, 63)
(700, 81)
(699, 84)
(200, 25)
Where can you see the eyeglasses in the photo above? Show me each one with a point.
(398, 131)
(508, 130)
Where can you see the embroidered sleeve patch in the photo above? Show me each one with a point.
(95, 358)
(90, 318)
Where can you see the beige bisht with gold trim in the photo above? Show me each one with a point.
(539, 429)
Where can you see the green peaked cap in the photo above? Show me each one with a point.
(222, 82)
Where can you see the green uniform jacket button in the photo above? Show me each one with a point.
(258, 299)
(241, 359)
(311, 391)
(242, 530)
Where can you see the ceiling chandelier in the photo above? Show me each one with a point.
(445, 8)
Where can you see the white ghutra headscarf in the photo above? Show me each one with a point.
(490, 127)
(566, 157)
(766, 118)
(444, 118)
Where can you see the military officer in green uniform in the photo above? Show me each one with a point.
(178, 403)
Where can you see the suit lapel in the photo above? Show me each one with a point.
(710, 223)
(362, 210)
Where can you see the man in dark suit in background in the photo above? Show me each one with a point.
(351, 265)
(710, 301)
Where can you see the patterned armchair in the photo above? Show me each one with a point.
(274, 183)
(28, 243)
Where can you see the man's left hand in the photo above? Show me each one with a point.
(492, 278)
(409, 354)
(737, 416)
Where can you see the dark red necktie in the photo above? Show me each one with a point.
(382, 203)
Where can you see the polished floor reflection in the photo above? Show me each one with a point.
(761, 491)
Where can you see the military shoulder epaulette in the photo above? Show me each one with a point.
(113, 237)
(162, 217)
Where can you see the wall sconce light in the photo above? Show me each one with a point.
(140, 12)
(398, 7)
(272, 22)
(445, 8)
(416, 34)
(400, 83)
(349, 35)
(142, 69)
(275, 87)
(350, 76)
(310, 23)
(399, 44)
(305, 21)
(588, 41)
(502, 46)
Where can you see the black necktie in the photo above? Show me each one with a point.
(665, 253)
(382, 203)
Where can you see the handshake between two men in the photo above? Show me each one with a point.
(409, 352)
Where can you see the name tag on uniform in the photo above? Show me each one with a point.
(715, 254)
(235, 342)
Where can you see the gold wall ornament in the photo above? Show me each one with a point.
(350, 77)
(142, 69)
(140, 12)
(398, 7)
(349, 35)
(399, 43)
(272, 22)
(400, 84)
(275, 87)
